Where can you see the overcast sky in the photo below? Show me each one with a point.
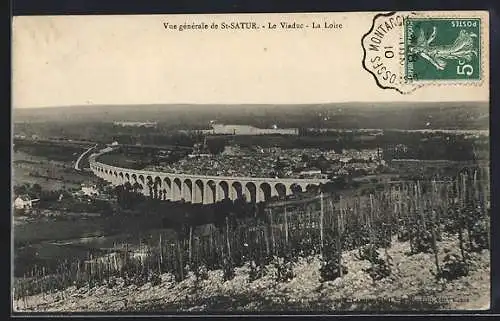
(65, 60)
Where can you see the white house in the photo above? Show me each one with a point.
(345, 160)
(24, 202)
(89, 190)
(311, 172)
(342, 172)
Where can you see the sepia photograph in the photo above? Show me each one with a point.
(258, 163)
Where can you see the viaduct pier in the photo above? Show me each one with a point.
(198, 188)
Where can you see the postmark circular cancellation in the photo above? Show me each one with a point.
(407, 50)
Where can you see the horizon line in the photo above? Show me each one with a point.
(259, 104)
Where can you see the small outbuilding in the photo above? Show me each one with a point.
(24, 202)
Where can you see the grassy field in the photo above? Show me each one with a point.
(50, 174)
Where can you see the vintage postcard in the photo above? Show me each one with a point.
(251, 163)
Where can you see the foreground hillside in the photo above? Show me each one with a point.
(411, 286)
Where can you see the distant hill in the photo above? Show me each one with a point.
(461, 115)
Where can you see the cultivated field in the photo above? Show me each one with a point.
(48, 173)
(424, 241)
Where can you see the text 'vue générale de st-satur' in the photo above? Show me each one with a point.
(249, 25)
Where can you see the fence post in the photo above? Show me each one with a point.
(286, 226)
(321, 220)
(190, 243)
(180, 259)
(370, 220)
(272, 232)
(338, 235)
(420, 204)
(266, 238)
(227, 238)
(434, 223)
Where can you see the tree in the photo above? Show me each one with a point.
(150, 186)
(136, 187)
(222, 210)
(321, 163)
(36, 190)
(127, 186)
(240, 207)
(21, 189)
(216, 146)
(155, 191)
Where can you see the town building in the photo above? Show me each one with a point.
(135, 124)
(221, 129)
(311, 173)
(24, 202)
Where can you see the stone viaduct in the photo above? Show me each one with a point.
(197, 188)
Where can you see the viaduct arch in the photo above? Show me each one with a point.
(197, 188)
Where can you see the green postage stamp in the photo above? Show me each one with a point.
(407, 50)
(441, 49)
